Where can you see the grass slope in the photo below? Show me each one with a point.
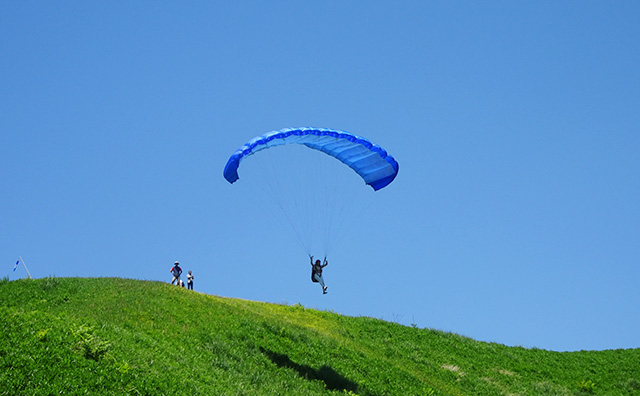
(121, 336)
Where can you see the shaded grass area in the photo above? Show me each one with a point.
(123, 336)
(332, 380)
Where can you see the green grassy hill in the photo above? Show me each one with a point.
(120, 336)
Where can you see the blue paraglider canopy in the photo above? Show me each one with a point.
(374, 165)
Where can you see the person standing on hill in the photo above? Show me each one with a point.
(176, 271)
(316, 272)
(190, 280)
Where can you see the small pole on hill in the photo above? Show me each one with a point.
(25, 267)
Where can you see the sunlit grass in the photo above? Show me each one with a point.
(121, 336)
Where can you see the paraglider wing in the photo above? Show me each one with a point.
(374, 165)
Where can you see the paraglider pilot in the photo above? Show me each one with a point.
(316, 272)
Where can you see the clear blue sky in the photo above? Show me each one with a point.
(515, 217)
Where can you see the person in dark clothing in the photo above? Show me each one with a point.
(190, 280)
(316, 272)
(176, 271)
